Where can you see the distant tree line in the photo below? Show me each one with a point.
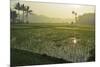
(16, 15)
(87, 18)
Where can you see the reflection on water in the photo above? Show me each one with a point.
(73, 40)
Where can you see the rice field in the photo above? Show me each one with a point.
(68, 42)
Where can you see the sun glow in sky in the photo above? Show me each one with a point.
(55, 10)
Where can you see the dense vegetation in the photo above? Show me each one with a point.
(22, 57)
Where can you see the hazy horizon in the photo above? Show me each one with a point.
(56, 10)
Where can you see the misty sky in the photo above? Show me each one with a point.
(55, 10)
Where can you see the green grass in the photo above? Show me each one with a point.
(55, 40)
(23, 57)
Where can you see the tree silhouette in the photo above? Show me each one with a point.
(28, 11)
(73, 12)
(17, 7)
(23, 8)
(13, 16)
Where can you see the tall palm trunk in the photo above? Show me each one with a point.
(73, 12)
(27, 10)
(23, 9)
(76, 17)
(19, 15)
(27, 18)
(23, 16)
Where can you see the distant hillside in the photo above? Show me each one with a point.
(34, 18)
(88, 18)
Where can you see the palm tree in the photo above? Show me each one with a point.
(23, 8)
(13, 16)
(28, 11)
(17, 7)
(73, 12)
